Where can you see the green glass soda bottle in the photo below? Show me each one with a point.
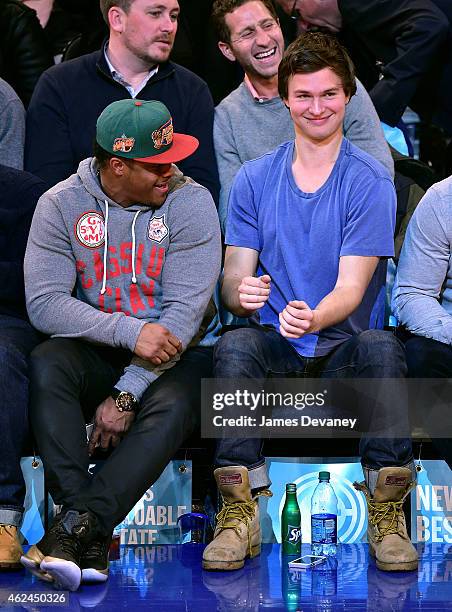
(291, 523)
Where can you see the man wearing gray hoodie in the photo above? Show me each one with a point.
(123, 254)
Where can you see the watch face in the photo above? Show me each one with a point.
(125, 401)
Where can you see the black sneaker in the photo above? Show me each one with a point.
(56, 557)
(31, 560)
(94, 561)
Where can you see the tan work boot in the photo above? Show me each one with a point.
(10, 548)
(388, 539)
(237, 534)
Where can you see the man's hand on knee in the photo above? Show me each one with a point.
(109, 425)
(157, 344)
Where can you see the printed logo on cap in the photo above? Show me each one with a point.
(164, 135)
(158, 230)
(124, 144)
(90, 230)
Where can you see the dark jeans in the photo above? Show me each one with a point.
(257, 352)
(427, 358)
(17, 339)
(69, 379)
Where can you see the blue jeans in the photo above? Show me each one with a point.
(259, 352)
(17, 339)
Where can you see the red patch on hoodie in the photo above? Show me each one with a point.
(90, 229)
(396, 481)
(231, 479)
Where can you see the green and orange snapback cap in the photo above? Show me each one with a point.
(142, 130)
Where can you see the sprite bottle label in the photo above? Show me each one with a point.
(293, 534)
(291, 523)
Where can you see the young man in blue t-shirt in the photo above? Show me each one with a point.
(309, 228)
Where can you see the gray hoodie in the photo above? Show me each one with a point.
(97, 271)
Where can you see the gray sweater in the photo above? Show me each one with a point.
(422, 293)
(245, 128)
(168, 278)
(12, 127)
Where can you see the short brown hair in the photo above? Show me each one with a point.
(105, 6)
(221, 8)
(311, 52)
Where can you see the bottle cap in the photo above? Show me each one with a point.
(324, 476)
(291, 487)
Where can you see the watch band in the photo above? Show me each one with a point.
(125, 401)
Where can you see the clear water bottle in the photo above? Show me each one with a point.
(324, 517)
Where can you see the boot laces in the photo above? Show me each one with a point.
(235, 512)
(6, 529)
(242, 512)
(389, 511)
(96, 549)
(68, 543)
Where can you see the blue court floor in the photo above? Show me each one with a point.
(170, 578)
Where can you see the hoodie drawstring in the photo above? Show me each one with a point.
(134, 277)
(104, 280)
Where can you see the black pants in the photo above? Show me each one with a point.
(427, 358)
(69, 379)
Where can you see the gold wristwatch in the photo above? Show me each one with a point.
(125, 401)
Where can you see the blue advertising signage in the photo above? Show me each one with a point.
(153, 520)
(33, 522)
(304, 473)
(431, 504)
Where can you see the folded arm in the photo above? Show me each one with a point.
(422, 272)
(355, 273)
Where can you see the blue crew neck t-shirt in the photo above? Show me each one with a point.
(300, 236)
